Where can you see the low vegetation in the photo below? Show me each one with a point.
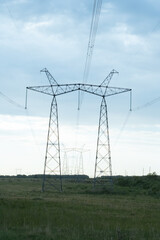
(129, 210)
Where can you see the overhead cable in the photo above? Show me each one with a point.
(134, 110)
(147, 104)
(92, 36)
(10, 100)
(91, 42)
(122, 128)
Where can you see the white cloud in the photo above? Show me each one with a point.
(124, 35)
(32, 26)
(35, 38)
(18, 1)
(107, 7)
(23, 146)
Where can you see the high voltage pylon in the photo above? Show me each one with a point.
(103, 166)
(52, 166)
(52, 163)
(65, 169)
(79, 169)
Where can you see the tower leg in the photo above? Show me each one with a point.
(81, 170)
(52, 166)
(65, 170)
(103, 167)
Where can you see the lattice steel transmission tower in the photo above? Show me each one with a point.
(52, 163)
(52, 166)
(79, 168)
(65, 170)
(103, 166)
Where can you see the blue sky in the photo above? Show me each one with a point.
(54, 34)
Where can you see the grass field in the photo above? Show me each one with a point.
(76, 213)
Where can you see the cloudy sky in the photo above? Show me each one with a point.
(54, 34)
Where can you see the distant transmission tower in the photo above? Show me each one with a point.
(79, 169)
(52, 167)
(65, 170)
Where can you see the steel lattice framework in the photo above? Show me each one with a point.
(103, 165)
(52, 166)
(79, 164)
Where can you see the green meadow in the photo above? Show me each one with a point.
(128, 211)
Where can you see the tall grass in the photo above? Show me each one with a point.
(27, 213)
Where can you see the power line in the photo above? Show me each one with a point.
(32, 131)
(156, 27)
(91, 42)
(123, 127)
(10, 14)
(147, 104)
(92, 36)
(8, 99)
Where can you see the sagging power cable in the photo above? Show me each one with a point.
(92, 36)
(8, 99)
(148, 104)
(122, 128)
(91, 42)
(155, 100)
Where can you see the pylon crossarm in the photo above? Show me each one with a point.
(108, 79)
(75, 150)
(49, 76)
(56, 90)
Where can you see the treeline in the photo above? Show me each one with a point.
(149, 184)
(146, 185)
(46, 176)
